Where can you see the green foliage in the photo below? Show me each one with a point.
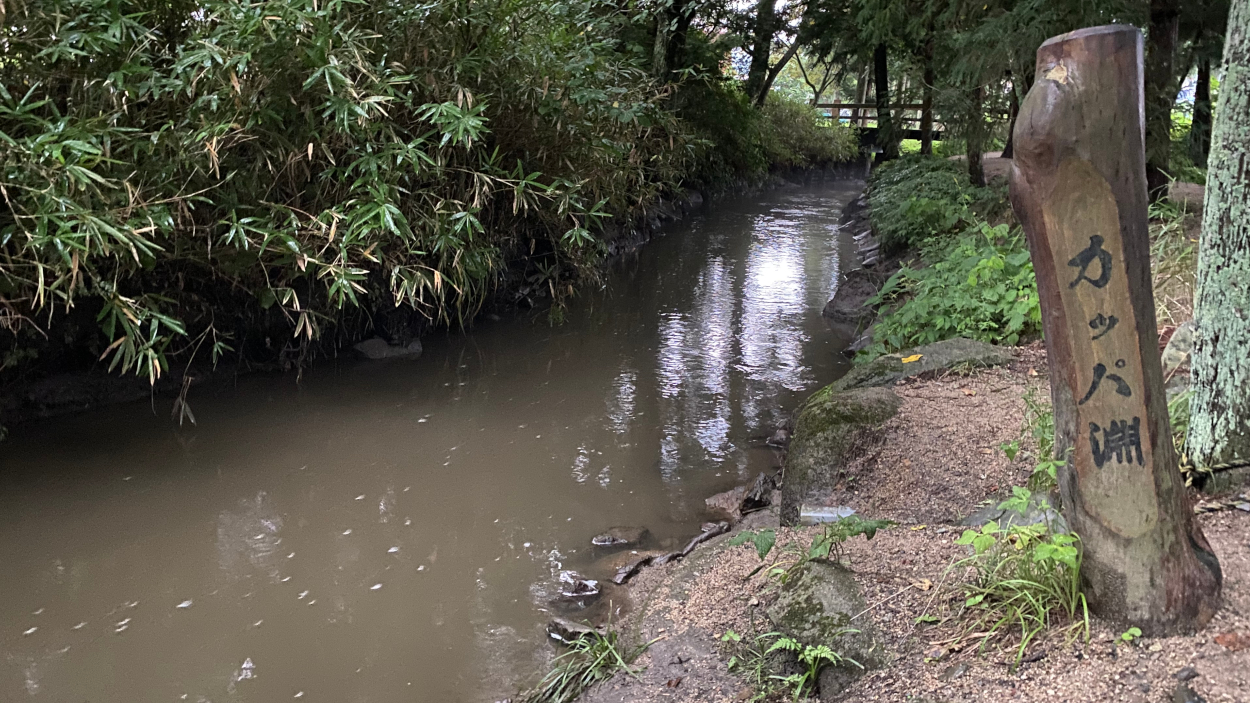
(794, 135)
(589, 660)
(751, 659)
(755, 660)
(825, 546)
(917, 198)
(735, 140)
(763, 540)
(287, 163)
(1025, 577)
(811, 660)
(1039, 426)
(1130, 634)
(981, 286)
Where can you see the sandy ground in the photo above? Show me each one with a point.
(941, 461)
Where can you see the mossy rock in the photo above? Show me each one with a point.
(832, 430)
(816, 607)
(939, 356)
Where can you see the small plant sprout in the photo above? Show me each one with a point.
(811, 660)
(1130, 634)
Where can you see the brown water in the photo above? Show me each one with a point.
(393, 531)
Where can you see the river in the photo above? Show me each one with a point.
(392, 531)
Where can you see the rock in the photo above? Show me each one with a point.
(378, 348)
(847, 306)
(1176, 353)
(953, 672)
(780, 438)
(947, 354)
(620, 537)
(566, 630)
(575, 588)
(692, 199)
(727, 505)
(861, 342)
(760, 495)
(710, 530)
(832, 431)
(626, 564)
(1188, 673)
(815, 607)
(1185, 694)
(1039, 509)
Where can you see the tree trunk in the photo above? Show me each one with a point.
(761, 48)
(1219, 427)
(886, 138)
(926, 102)
(861, 94)
(776, 71)
(1200, 129)
(1078, 185)
(1163, 38)
(976, 137)
(1013, 111)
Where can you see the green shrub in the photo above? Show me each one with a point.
(916, 198)
(981, 286)
(1025, 577)
(281, 166)
(735, 140)
(794, 135)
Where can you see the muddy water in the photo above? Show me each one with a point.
(392, 531)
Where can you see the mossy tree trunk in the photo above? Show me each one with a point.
(1078, 186)
(1219, 429)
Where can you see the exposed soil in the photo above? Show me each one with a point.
(942, 458)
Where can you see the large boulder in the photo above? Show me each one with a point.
(947, 354)
(822, 604)
(833, 429)
(848, 304)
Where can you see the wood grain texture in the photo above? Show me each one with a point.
(1078, 185)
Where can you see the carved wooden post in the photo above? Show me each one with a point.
(1078, 185)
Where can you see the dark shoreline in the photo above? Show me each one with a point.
(74, 391)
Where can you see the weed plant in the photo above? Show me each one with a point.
(755, 660)
(1026, 579)
(589, 660)
(981, 286)
(826, 546)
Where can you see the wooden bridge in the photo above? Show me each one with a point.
(861, 114)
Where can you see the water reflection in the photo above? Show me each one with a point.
(395, 532)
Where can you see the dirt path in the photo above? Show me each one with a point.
(942, 459)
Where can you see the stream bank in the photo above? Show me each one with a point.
(933, 438)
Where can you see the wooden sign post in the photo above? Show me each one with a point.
(1078, 185)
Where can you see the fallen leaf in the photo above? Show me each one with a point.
(1233, 641)
(918, 527)
(1032, 371)
(968, 391)
(923, 584)
(674, 683)
(907, 462)
(913, 357)
(987, 451)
